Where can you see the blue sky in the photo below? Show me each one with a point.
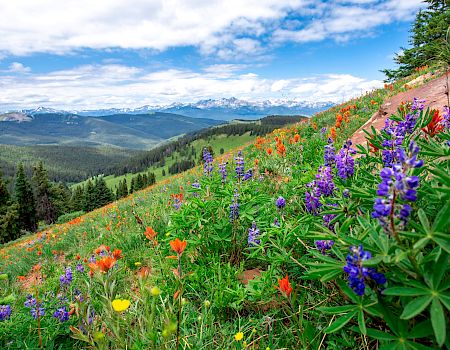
(79, 54)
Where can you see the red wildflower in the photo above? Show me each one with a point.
(284, 286)
(269, 151)
(104, 264)
(150, 233)
(117, 254)
(434, 127)
(178, 246)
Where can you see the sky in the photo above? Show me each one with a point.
(84, 54)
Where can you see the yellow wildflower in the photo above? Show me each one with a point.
(155, 291)
(238, 336)
(120, 305)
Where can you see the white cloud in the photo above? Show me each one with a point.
(17, 67)
(226, 28)
(113, 85)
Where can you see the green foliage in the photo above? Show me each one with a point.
(429, 44)
(25, 201)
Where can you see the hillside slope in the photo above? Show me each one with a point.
(165, 265)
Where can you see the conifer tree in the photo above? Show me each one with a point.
(124, 188)
(76, 200)
(45, 209)
(25, 201)
(102, 194)
(88, 196)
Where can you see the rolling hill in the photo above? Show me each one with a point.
(131, 131)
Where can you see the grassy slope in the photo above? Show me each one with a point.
(217, 142)
(233, 307)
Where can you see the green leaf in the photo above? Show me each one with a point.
(340, 322)
(438, 321)
(439, 269)
(442, 221)
(445, 299)
(337, 309)
(406, 291)
(443, 242)
(416, 306)
(423, 220)
(361, 322)
(348, 291)
(373, 333)
(420, 330)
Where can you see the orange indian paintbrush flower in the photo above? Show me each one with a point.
(178, 246)
(284, 286)
(104, 264)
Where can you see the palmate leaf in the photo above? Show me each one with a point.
(340, 322)
(442, 221)
(361, 322)
(406, 291)
(438, 321)
(337, 309)
(416, 306)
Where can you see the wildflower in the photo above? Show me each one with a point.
(285, 286)
(296, 138)
(238, 336)
(5, 312)
(234, 207)
(102, 250)
(150, 233)
(312, 198)
(155, 291)
(329, 155)
(80, 268)
(223, 171)
(358, 275)
(324, 181)
(435, 126)
(394, 185)
(239, 159)
(345, 163)
(248, 175)
(280, 202)
(207, 303)
(324, 245)
(104, 264)
(66, 278)
(253, 234)
(137, 263)
(446, 118)
(120, 305)
(269, 151)
(328, 218)
(346, 193)
(178, 246)
(36, 309)
(208, 160)
(117, 254)
(61, 314)
(276, 222)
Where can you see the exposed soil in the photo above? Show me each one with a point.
(433, 92)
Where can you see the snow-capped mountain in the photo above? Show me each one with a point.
(219, 109)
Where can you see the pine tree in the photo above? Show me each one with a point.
(428, 40)
(133, 185)
(88, 196)
(76, 200)
(124, 188)
(102, 194)
(25, 201)
(60, 196)
(45, 209)
(4, 193)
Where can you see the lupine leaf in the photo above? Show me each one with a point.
(438, 321)
(442, 221)
(374, 333)
(337, 309)
(340, 322)
(405, 291)
(361, 322)
(415, 307)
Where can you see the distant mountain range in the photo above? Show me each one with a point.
(218, 109)
(132, 131)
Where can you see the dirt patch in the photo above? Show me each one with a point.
(249, 275)
(433, 92)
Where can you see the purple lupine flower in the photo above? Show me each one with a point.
(323, 131)
(280, 202)
(66, 278)
(239, 159)
(37, 311)
(248, 175)
(177, 203)
(234, 207)
(446, 118)
(324, 181)
(30, 302)
(329, 156)
(196, 184)
(80, 268)
(358, 275)
(78, 296)
(276, 222)
(92, 259)
(324, 245)
(345, 163)
(5, 312)
(208, 162)
(396, 184)
(223, 171)
(346, 193)
(312, 198)
(61, 314)
(328, 218)
(253, 235)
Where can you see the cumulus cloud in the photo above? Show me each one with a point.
(17, 67)
(114, 85)
(227, 29)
